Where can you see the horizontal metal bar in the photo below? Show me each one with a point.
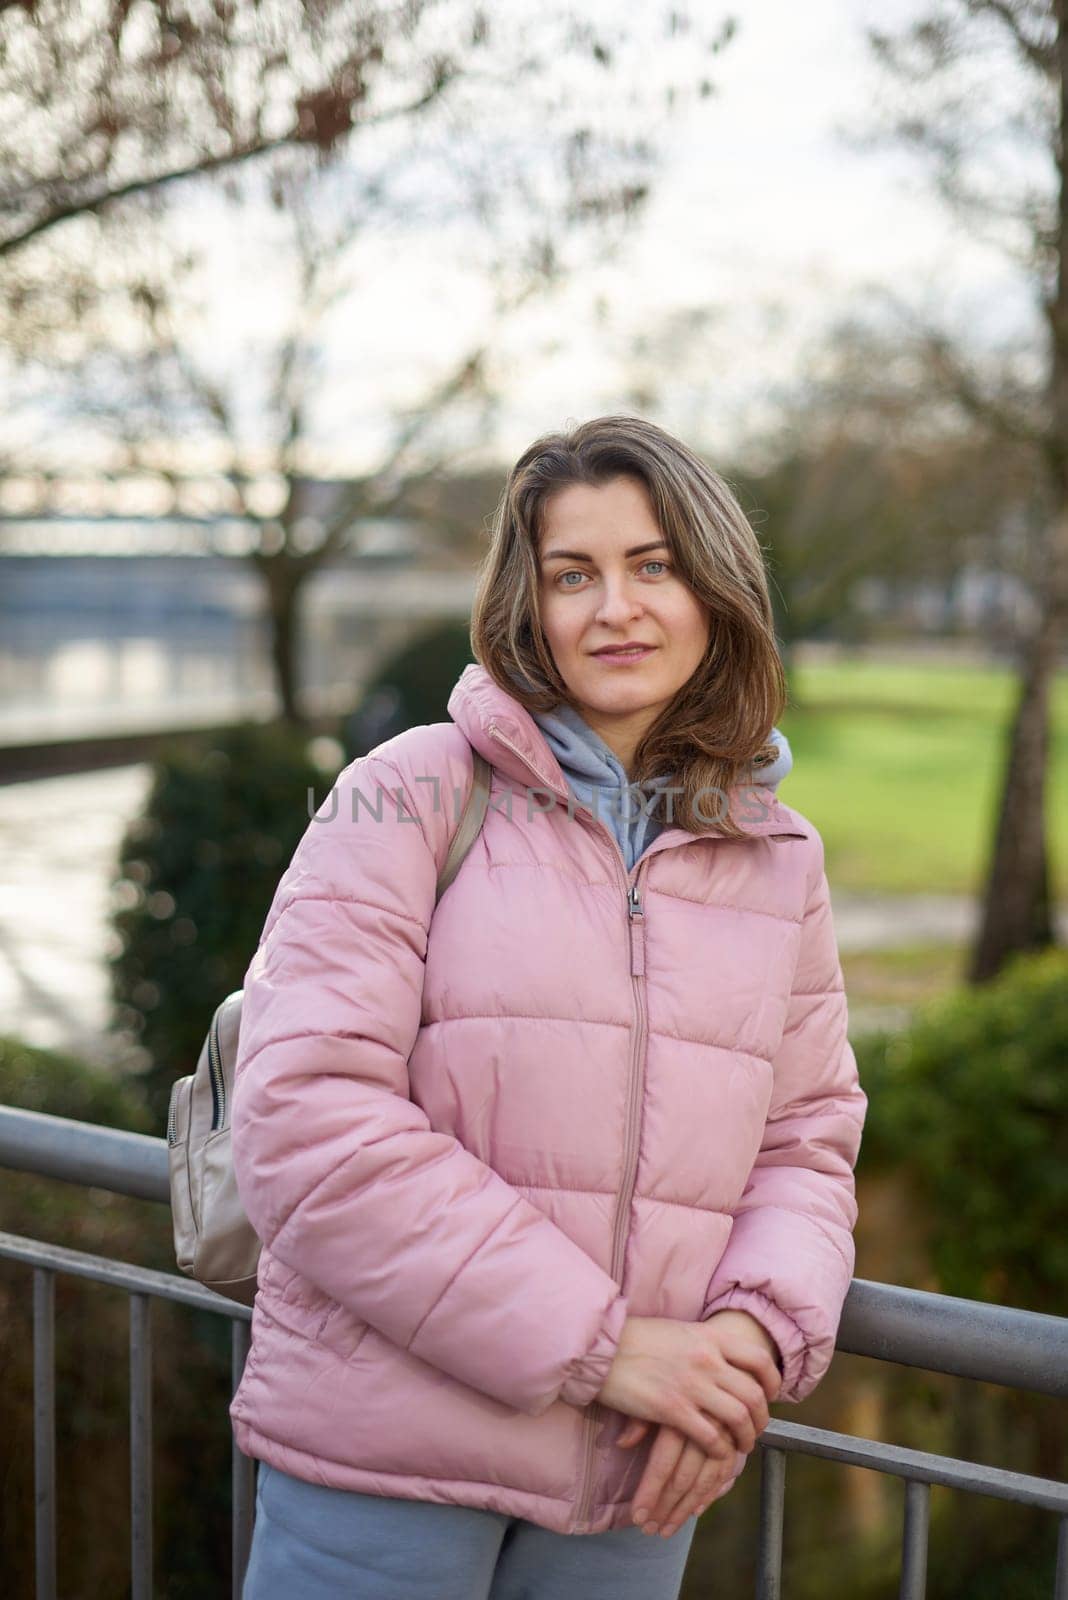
(919, 1466)
(882, 1321)
(120, 1274)
(963, 1338)
(85, 1153)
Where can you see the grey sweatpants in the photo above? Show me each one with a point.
(331, 1544)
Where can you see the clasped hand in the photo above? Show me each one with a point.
(707, 1385)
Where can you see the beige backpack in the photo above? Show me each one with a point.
(213, 1239)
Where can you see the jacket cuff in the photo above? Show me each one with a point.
(782, 1328)
(586, 1375)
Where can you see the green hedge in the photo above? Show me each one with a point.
(413, 685)
(65, 1086)
(197, 872)
(972, 1102)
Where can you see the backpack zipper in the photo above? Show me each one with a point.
(636, 939)
(218, 1084)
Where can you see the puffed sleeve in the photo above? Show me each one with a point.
(790, 1256)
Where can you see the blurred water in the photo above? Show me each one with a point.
(59, 840)
(102, 644)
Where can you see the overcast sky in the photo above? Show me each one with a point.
(764, 214)
(762, 217)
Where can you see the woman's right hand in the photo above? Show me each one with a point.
(696, 1378)
(679, 1479)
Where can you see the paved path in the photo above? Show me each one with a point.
(59, 839)
(866, 921)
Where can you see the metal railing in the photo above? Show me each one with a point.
(938, 1333)
(131, 1164)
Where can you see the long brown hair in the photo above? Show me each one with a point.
(718, 727)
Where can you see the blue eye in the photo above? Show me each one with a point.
(653, 561)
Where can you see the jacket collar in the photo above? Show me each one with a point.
(503, 731)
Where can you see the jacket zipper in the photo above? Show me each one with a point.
(636, 935)
(636, 940)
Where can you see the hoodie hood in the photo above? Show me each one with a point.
(518, 746)
(583, 754)
(598, 779)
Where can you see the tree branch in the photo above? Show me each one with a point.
(300, 135)
(1040, 54)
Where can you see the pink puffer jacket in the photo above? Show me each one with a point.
(472, 1145)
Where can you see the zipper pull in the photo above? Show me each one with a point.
(636, 928)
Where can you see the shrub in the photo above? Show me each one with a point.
(197, 873)
(64, 1086)
(411, 688)
(972, 1102)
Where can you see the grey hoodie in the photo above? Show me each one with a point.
(597, 778)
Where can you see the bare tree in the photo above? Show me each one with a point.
(867, 472)
(981, 94)
(529, 168)
(103, 100)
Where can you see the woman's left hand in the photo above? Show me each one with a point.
(679, 1478)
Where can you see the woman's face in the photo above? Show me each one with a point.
(607, 578)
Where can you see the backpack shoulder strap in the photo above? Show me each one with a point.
(470, 822)
(217, 1244)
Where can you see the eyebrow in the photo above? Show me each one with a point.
(581, 555)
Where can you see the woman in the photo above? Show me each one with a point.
(555, 1182)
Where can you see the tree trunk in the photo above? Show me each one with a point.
(1017, 913)
(285, 583)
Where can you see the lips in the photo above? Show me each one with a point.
(624, 650)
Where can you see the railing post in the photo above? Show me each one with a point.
(44, 1430)
(242, 1471)
(772, 1501)
(914, 1540)
(1060, 1582)
(140, 1447)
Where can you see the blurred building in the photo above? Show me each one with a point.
(994, 609)
(116, 623)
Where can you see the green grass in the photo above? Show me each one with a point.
(899, 767)
(903, 974)
(886, 986)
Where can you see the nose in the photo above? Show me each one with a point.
(619, 604)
